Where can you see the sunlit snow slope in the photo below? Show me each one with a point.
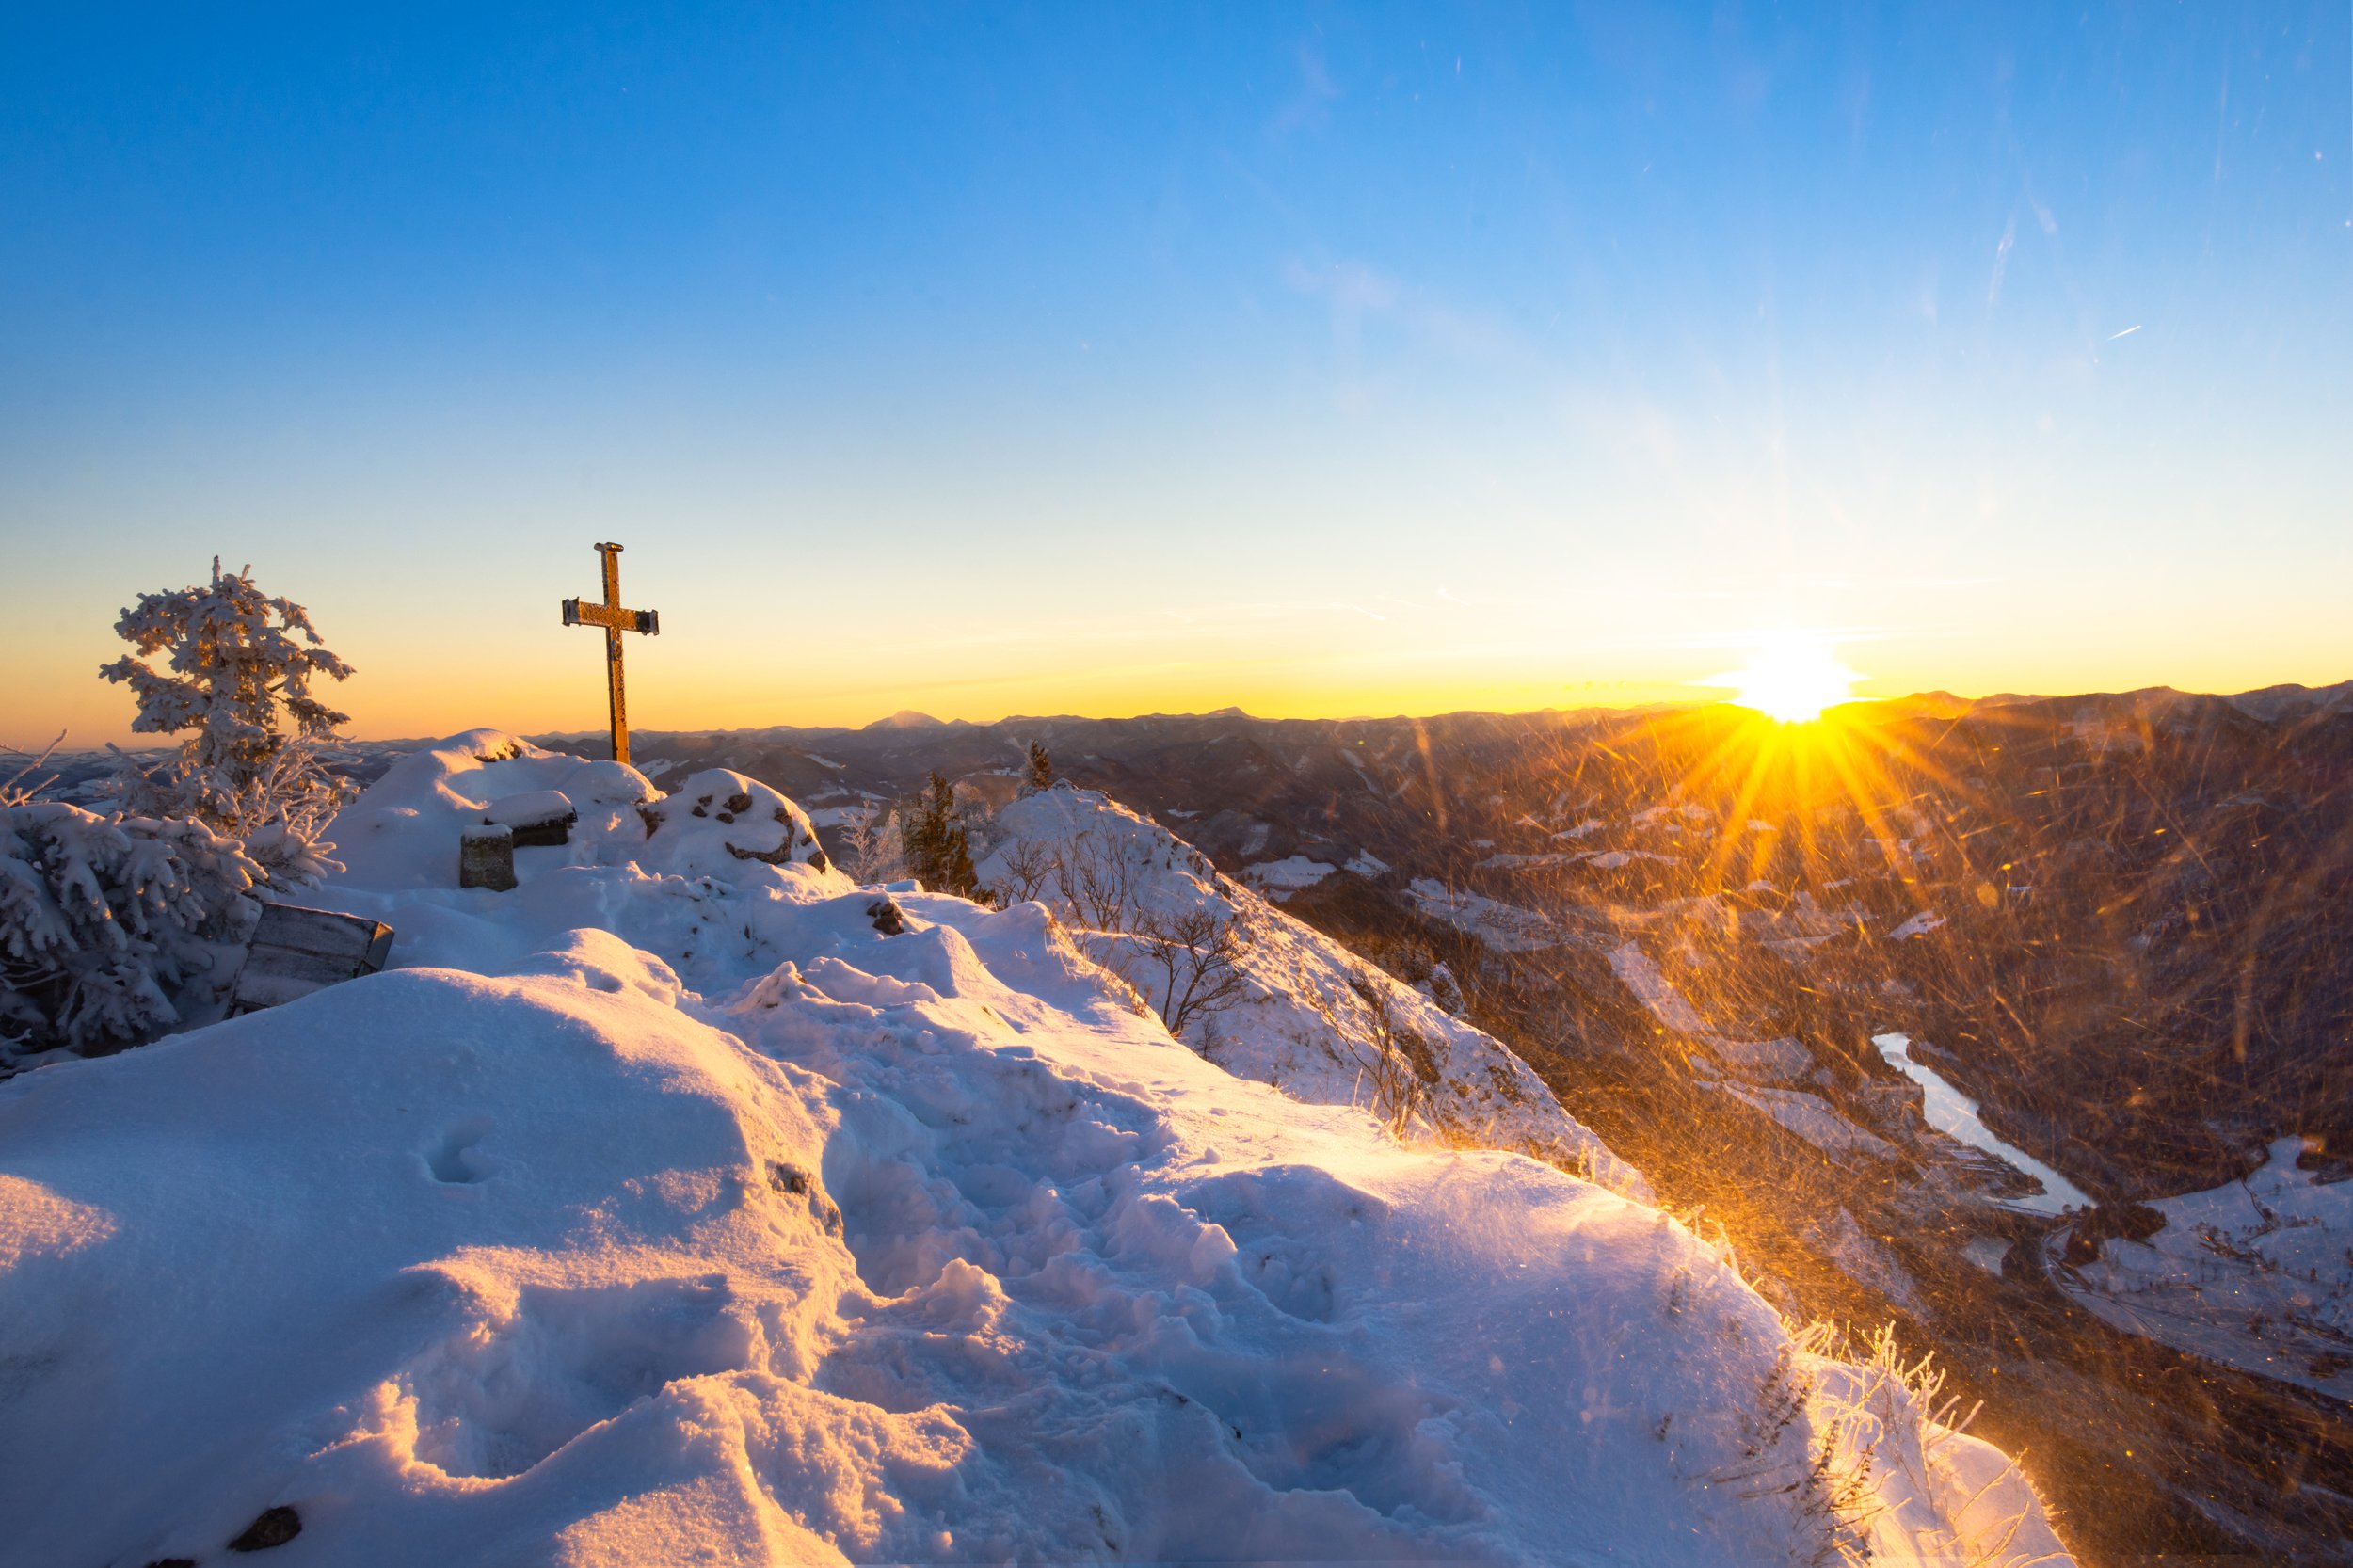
(1305, 1019)
(675, 1213)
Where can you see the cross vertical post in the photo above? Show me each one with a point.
(615, 688)
(616, 621)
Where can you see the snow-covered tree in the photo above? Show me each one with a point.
(235, 675)
(1040, 771)
(110, 927)
(937, 846)
(25, 779)
(871, 851)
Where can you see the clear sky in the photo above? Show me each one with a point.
(1105, 360)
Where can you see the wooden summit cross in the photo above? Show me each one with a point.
(614, 620)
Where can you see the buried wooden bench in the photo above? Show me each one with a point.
(540, 817)
(295, 951)
(485, 850)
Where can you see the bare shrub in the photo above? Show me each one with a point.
(1401, 1066)
(1030, 869)
(1096, 883)
(1186, 964)
(1191, 961)
(1891, 1421)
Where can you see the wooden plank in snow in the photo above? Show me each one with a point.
(295, 951)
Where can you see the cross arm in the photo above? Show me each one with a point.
(611, 618)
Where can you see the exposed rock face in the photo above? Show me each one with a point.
(275, 1528)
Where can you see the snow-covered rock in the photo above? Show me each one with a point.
(531, 808)
(718, 1225)
(1811, 1118)
(1778, 1060)
(1639, 973)
(717, 817)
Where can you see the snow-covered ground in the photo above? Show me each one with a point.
(667, 1209)
(1639, 973)
(1281, 878)
(1530, 862)
(1505, 927)
(2256, 1274)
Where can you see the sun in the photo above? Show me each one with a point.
(1791, 676)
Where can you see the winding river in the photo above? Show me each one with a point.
(1955, 1114)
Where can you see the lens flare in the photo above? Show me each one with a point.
(1791, 675)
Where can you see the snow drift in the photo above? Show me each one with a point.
(719, 1225)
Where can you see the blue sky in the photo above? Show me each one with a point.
(1106, 359)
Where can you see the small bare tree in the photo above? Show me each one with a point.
(1098, 882)
(1401, 1066)
(1187, 964)
(1030, 869)
(1191, 962)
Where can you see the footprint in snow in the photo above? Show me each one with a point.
(457, 1160)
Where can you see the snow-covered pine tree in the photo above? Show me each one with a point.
(1041, 770)
(869, 846)
(938, 852)
(236, 677)
(110, 929)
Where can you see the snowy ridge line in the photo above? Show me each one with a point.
(667, 1209)
(1312, 1017)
